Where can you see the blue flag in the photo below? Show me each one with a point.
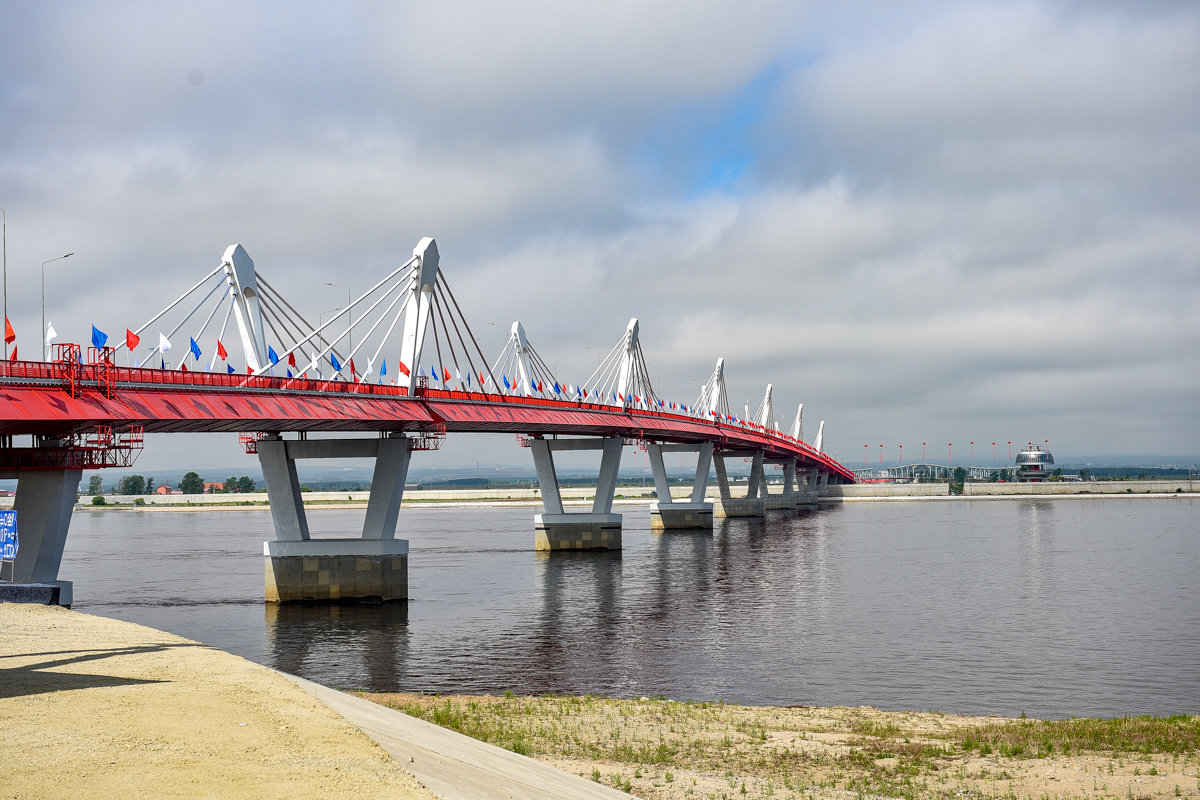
(333, 360)
(289, 372)
(556, 389)
(98, 339)
(195, 348)
(383, 369)
(229, 368)
(270, 354)
(506, 385)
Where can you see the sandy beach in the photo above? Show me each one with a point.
(94, 707)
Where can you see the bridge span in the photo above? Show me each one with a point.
(89, 413)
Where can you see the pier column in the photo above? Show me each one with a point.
(729, 506)
(666, 513)
(806, 496)
(44, 502)
(787, 499)
(373, 567)
(554, 529)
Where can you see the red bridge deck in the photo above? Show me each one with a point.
(56, 399)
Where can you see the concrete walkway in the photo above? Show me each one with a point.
(453, 766)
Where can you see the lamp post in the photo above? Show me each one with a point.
(43, 334)
(349, 311)
(585, 347)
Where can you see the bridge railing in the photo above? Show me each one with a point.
(104, 375)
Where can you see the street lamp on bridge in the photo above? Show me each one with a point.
(43, 334)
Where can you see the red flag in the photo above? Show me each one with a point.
(292, 360)
(248, 370)
(131, 339)
(403, 368)
(10, 335)
(13, 357)
(183, 367)
(353, 371)
(221, 350)
(447, 373)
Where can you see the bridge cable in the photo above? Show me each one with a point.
(449, 291)
(450, 344)
(454, 322)
(299, 316)
(183, 322)
(437, 346)
(172, 305)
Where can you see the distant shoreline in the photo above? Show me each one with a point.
(537, 503)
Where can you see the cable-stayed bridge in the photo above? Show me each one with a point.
(233, 354)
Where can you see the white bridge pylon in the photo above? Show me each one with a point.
(797, 431)
(407, 330)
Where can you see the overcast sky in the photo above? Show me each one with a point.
(935, 222)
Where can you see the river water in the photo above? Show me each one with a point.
(1053, 607)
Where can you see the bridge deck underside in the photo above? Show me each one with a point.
(47, 410)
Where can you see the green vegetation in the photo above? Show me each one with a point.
(95, 485)
(98, 501)
(1039, 739)
(133, 484)
(659, 748)
(192, 484)
(242, 484)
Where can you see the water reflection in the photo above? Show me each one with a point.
(367, 643)
(1052, 607)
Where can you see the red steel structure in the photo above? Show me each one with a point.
(68, 400)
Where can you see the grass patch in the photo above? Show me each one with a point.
(1042, 738)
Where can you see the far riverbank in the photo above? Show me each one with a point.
(579, 496)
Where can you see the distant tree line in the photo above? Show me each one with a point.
(192, 483)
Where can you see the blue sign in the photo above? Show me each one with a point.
(8, 535)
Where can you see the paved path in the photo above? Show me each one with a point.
(453, 766)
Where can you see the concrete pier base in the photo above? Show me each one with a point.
(680, 516)
(336, 569)
(577, 532)
(775, 502)
(738, 507)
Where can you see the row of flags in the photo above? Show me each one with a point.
(132, 340)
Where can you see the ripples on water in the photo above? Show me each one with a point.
(1053, 607)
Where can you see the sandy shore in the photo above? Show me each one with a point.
(94, 707)
(685, 751)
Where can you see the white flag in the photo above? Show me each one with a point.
(163, 344)
(50, 333)
(370, 369)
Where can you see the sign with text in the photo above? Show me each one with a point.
(8, 536)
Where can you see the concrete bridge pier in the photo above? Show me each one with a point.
(808, 494)
(44, 502)
(554, 529)
(373, 567)
(786, 500)
(752, 505)
(666, 514)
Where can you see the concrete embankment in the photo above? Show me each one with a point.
(637, 494)
(875, 491)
